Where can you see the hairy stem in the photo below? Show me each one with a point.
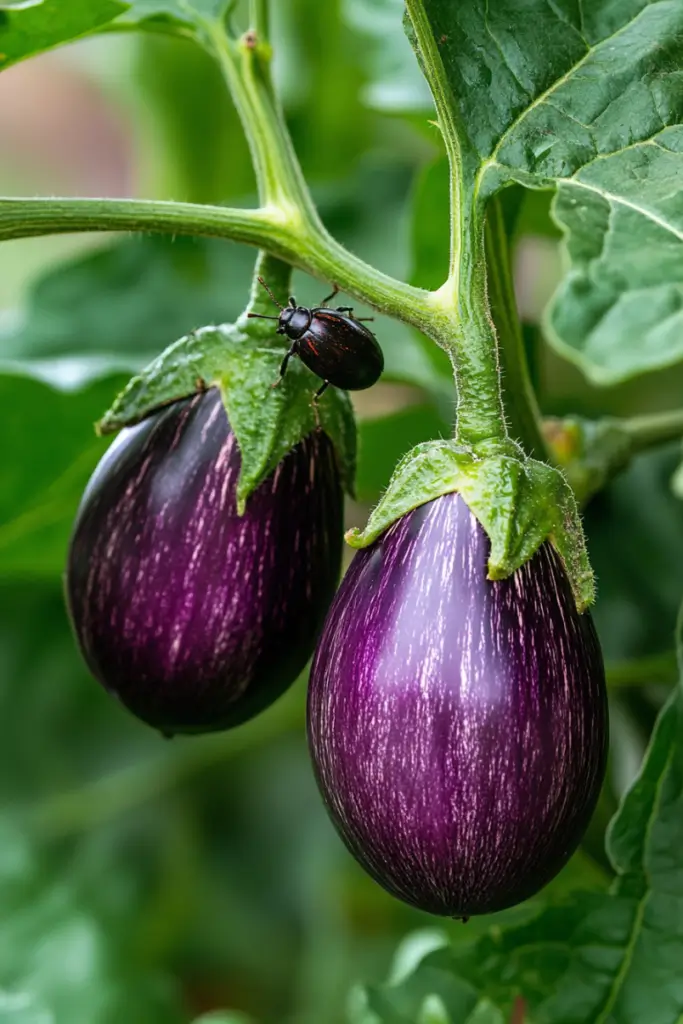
(523, 414)
(468, 332)
(316, 253)
(433, 71)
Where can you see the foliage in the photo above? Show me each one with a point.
(150, 882)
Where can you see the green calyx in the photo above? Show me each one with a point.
(243, 360)
(520, 503)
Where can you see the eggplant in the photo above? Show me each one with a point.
(457, 726)
(195, 617)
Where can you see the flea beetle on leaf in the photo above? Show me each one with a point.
(330, 342)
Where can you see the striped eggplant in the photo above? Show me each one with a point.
(458, 726)
(197, 618)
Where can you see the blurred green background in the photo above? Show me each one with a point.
(143, 880)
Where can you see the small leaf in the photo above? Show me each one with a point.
(519, 502)
(28, 29)
(595, 110)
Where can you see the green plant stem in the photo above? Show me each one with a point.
(259, 19)
(467, 332)
(521, 407)
(473, 347)
(655, 429)
(246, 69)
(97, 802)
(431, 67)
(319, 255)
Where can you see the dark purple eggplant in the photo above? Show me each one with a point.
(194, 617)
(458, 726)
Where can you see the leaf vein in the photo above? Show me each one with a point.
(542, 97)
(621, 200)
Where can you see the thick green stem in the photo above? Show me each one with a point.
(467, 332)
(658, 428)
(521, 407)
(433, 71)
(246, 69)
(315, 252)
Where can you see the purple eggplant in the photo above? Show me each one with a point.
(197, 618)
(458, 726)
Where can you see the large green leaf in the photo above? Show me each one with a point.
(586, 98)
(29, 29)
(609, 958)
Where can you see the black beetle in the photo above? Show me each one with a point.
(330, 342)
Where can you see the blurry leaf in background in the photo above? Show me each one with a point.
(396, 83)
(50, 434)
(190, 133)
(594, 957)
(635, 539)
(180, 12)
(27, 30)
(595, 109)
(131, 299)
(61, 959)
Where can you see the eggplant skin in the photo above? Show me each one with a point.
(458, 727)
(194, 617)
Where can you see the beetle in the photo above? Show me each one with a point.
(332, 343)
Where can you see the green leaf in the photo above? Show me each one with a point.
(26, 29)
(519, 501)
(63, 959)
(586, 98)
(609, 958)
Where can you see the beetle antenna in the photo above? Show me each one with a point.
(263, 283)
(261, 316)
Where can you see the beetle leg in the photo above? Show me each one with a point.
(345, 309)
(330, 297)
(284, 364)
(364, 319)
(314, 402)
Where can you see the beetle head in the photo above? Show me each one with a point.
(295, 321)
